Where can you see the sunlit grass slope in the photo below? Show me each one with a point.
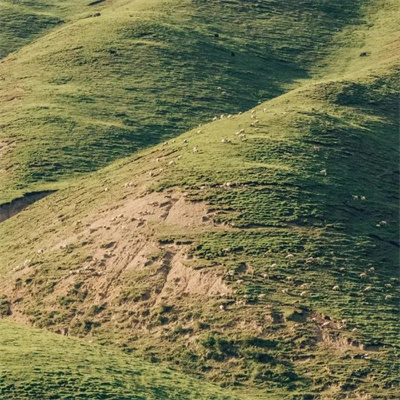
(99, 87)
(296, 243)
(260, 250)
(23, 21)
(40, 365)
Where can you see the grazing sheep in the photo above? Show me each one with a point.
(388, 297)
(239, 281)
(388, 285)
(171, 162)
(222, 116)
(323, 172)
(336, 287)
(199, 131)
(354, 330)
(368, 289)
(106, 189)
(274, 265)
(355, 197)
(215, 118)
(285, 291)
(363, 275)
(290, 256)
(40, 251)
(372, 269)
(195, 149)
(222, 307)
(325, 324)
(185, 141)
(229, 116)
(303, 294)
(165, 143)
(261, 296)
(150, 173)
(363, 198)
(265, 276)
(304, 285)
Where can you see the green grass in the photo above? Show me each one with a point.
(39, 365)
(343, 119)
(97, 89)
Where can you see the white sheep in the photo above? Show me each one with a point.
(388, 285)
(323, 172)
(195, 149)
(290, 256)
(303, 294)
(336, 287)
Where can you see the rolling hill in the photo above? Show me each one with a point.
(258, 251)
(50, 366)
(123, 75)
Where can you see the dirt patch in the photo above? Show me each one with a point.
(182, 279)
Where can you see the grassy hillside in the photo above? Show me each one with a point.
(39, 365)
(258, 251)
(99, 87)
(24, 21)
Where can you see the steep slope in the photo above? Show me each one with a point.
(260, 250)
(97, 89)
(39, 365)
